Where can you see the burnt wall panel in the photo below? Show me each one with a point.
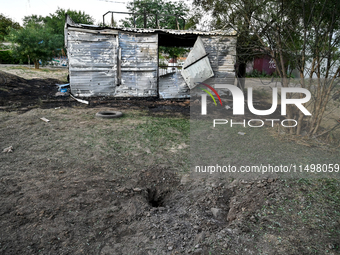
(173, 85)
(139, 65)
(92, 83)
(88, 36)
(92, 63)
(137, 84)
(222, 55)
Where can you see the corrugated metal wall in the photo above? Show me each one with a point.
(222, 56)
(92, 63)
(173, 85)
(139, 65)
(125, 64)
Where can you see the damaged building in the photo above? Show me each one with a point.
(124, 62)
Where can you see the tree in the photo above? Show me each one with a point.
(56, 20)
(42, 37)
(294, 33)
(234, 15)
(35, 42)
(172, 52)
(169, 14)
(33, 20)
(320, 43)
(5, 24)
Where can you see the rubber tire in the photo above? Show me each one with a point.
(109, 114)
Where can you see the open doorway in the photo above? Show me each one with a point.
(172, 51)
(171, 59)
(181, 62)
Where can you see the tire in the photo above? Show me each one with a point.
(109, 114)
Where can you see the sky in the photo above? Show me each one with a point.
(17, 9)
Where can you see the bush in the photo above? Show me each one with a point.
(7, 57)
(256, 74)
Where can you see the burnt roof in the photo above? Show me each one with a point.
(166, 37)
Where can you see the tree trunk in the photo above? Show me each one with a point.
(302, 82)
(300, 122)
(36, 64)
(285, 82)
(241, 74)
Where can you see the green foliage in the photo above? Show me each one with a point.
(194, 18)
(56, 21)
(33, 20)
(37, 42)
(234, 15)
(7, 57)
(256, 74)
(173, 51)
(41, 38)
(161, 8)
(5, 25)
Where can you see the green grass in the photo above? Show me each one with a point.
(130, 139)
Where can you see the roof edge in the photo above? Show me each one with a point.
(70, 23)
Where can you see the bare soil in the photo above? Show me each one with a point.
(83, 185)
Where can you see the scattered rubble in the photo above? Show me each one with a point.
(8, 149)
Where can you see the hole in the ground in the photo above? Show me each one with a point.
(154, 198)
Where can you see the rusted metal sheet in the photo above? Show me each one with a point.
(172, 85)
(197, 66)
(92, 63)
(139, 65)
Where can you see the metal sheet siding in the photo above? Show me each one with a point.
(173, 85)
(222, 56)
(92, 63)
(219, 63)
(139, 65)
(124, 62)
